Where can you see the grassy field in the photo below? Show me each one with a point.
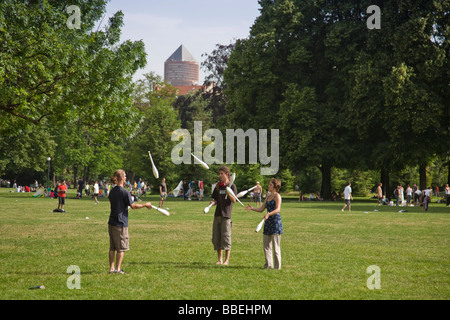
(325, 253)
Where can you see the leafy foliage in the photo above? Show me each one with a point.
(74, 83)
(342, 95)
(52, 72)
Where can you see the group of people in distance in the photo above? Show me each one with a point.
(120, 199)
(414, 196)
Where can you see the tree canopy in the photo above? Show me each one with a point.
(53, 72)
(349, 91)
(342, 94)
(56, 80)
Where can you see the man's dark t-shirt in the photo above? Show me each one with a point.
(223, 206)
(120, 199)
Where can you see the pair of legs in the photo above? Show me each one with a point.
(347, 203)
(425, 203)
(221, 239)
(161, 200)
(118, 242)
(272, 250)
(61, 203)
(220, 257)
(257, 198)
(119, 259)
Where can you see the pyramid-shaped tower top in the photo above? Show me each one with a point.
(181, 54)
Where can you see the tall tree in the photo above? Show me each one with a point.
(215, 64)
(54, 77)
(25, 147)
(399, 92)
(291, 73)
(154, 99)
(49, 70)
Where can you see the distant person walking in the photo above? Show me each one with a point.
(401, 194)
(347, 197)
(80, 187)
(426, 198)
(162, 192)
(380, 193)
(96, 192)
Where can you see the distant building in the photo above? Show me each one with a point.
(181, 71)
(182, 90)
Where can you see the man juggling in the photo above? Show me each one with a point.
(223, 199)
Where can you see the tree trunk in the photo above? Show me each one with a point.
(448, 175)
(75, 181)
(423, 176)
(325, 189)
(132, 177)
(85, 174)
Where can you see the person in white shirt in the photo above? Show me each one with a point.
(347, 197)
(86, 189)
(401, 194)
(426, 198)
(144, 188)
(408, 196)
(96, 191)
(417, 194)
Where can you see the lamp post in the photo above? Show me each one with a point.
(48, 171)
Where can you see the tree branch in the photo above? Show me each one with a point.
(10, 110)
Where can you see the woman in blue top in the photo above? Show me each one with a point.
(273, 228)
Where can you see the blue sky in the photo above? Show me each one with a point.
(199, 25)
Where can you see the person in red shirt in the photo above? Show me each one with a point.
(62, 190)
(200, 188)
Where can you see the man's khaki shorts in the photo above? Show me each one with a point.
(221, 235)
(118, 238)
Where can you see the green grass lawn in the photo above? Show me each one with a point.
(325, 253)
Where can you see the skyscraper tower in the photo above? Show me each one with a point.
(181, 68)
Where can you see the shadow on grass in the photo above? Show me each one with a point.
(49, 273)
(190, 265)
(332, 205)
